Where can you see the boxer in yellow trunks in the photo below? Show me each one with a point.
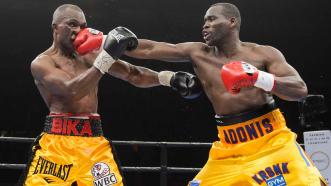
(256, 148)
(240, 78)
(72, 150)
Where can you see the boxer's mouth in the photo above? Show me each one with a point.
(206, 35)
(73, 37)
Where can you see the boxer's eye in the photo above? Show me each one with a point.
(73, 24)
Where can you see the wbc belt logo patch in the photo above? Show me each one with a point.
(102, 175)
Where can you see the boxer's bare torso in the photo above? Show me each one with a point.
(207, 65)
(70, 68)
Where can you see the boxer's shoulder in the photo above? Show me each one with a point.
(258, 48)
(41, 64)
(268, 53)
(251, 46)
(200, 47)
(263, 51)
(42, 60)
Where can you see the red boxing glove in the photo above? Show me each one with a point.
(88, 40)
(238, 74)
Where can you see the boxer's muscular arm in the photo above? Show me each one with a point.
(148, 49)
(288, 83)
(59, 83)
(186, 84)
(135, 75)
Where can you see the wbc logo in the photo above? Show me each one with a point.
(102, 175)
(249, 69)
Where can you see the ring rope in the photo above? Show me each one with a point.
(116, 142)
(125, 169)
(163, 145)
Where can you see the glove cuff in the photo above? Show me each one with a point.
(165, 77)
(265, 81)
(103, 62)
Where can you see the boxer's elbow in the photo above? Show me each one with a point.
(298, 93)
(302, 92)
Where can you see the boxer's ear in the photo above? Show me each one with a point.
(233, 21)
(54, 26)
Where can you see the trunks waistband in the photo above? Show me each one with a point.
(251, 126)
(226, 120)
(67, 124)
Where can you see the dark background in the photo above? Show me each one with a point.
(298, 28)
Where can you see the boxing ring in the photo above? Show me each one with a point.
(163, 169)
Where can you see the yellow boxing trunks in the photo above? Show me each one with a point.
(256, 149)
(72, 151)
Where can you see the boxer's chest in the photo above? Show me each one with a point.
(73, 67)
(208, 67)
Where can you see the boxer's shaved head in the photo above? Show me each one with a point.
(66, 11)
(229, 10)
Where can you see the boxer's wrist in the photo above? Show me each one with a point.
(103, 62)
(265, 81)
(165, 77)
